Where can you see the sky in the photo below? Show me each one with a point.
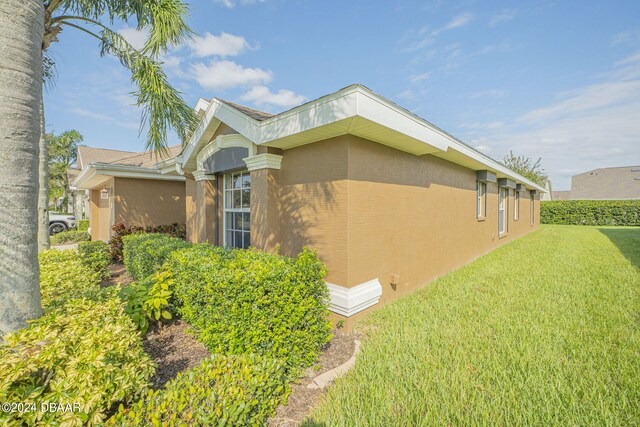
(558, 80)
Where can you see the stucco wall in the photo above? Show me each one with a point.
(101, 212)
(148, 202)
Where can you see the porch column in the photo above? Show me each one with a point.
(201, 208)
(265, 200)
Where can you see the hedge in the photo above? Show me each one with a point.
(120, 230)
(245, 301)
(591, 212)
(145, 253)
(71, 236)
(83, 225)
(85, 353)
(96, 256)
(222, 391)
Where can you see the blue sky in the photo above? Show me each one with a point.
(553, 79)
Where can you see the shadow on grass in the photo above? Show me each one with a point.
(310, 422)
(627, 240)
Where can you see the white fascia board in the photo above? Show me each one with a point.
(106, 170)
(349, 301)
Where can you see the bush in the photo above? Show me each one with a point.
(64, 276)
(147, 301)
(145, 253)
(86, 353)
(120, 230)
(96, 256)
(83, 225)
(71, 236)
(245, 301)
(222, 391)
(591, 212)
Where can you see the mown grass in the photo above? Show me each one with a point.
(543, 331)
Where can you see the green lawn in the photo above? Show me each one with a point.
(543, 331)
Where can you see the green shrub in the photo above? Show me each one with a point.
(222, 391)
(120, 230)
(85, 353)
(83, 225)
(96, 256)
(245, 301)
(71, 236)
(64, 276)
(148, 300)
(145, 253)
(591, 212)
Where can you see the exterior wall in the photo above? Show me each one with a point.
(607, 184)
(101, 212)
(148, 202)
(415, 217)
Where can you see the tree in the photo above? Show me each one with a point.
(31, 24)
(22, 24)
(63, 150)
(526, 167)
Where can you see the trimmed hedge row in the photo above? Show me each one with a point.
(591, 212)
(120, 230)
(222, 391)
(96, 256)
(83, 225)
(250, 302)
(71, 236)
(144, 254)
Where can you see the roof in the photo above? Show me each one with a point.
(355, 110)
(621, 182)
(254, 114)
(87, 155)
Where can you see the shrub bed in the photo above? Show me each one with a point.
(83, 225)
(85, 353)
(64, 276)
(591, 212)
(245, 301)
(222, 391)
(120, 230)
(96, 256)
(145, 253)
(71, 236)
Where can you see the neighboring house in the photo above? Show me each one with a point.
(548, 190)
(78, 199)
(617, 183)
(388, 200)
(561, 195)
(129, 187)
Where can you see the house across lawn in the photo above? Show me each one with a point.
(388, 200)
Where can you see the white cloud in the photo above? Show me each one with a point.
(104, 118)
(628, 38)
(220, 75)
(488, 93)
(589, 127)
(427, 37)
(505, 15)
(230, 4)
(416, 78)
(136, 38)
(223, 45)
(407, 95)
(261, 95)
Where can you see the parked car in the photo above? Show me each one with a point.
(60, 222)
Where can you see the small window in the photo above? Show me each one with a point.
(516, 206)
(532, 208)
(503, 196)
(481, 200)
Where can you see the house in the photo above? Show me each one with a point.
(388, 200)
(129, 187)
(616, 183)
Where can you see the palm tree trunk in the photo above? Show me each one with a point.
(43, 190)
(22, 24)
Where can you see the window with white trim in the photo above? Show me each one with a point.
(516, 206)
(503, 195)
(237, 210)
(481, 200)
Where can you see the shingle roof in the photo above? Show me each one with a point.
(88, 155)
(254, 114)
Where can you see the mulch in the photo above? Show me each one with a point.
(119, 275)
(303, 400)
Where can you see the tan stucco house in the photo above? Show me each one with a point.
(388, 200)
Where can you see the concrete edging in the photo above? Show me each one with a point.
(323, 380)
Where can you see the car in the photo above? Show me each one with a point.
(60, 222)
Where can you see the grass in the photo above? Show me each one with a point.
(543, 331)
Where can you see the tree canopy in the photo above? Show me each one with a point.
(63, 151)
(526, 167)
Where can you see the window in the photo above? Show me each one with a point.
(532, 208)
(502, 210)
(516, 206)
(237, 208)
(481, 202)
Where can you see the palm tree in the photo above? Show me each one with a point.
(63, 151)
(40, 25)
